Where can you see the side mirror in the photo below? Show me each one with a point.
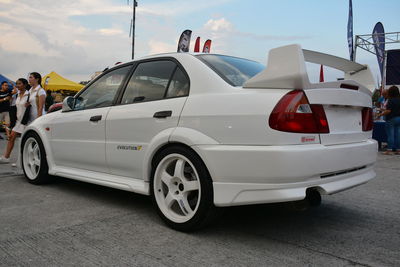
(68, 104)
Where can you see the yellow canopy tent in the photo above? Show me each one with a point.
(55, 82)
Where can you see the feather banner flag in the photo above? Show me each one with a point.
(184, 41)
(197, 45)
(350, 31)
(378, 35)
(207, 46)
(321, 74)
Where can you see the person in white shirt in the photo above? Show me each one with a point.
(21, 103)
(37, 93)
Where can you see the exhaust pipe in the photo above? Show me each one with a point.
(312, 199)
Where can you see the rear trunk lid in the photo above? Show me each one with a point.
(343, 110)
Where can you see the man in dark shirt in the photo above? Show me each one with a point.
(394, 107)
(392, 125)
(48, 101)
(5, 97)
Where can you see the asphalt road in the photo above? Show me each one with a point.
(72, 223)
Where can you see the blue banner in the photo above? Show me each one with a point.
(5, 79)
(378, 35)
(350, 31)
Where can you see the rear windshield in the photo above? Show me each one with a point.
(235, 71)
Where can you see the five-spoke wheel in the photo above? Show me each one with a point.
(177, 188)
(34, 161)
(32, 158)
(182, 189)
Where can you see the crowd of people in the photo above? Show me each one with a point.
(19, 106)
(390, 111)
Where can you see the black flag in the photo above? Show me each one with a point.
(184, 41)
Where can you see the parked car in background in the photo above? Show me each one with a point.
(55, 107)
(202, 131)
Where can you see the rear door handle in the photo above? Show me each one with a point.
(95, 118)
(163, 114)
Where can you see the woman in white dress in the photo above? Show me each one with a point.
(37, 96)
(21, 104)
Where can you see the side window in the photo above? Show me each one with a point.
(179, 85)
(148, 82)
(102, 92)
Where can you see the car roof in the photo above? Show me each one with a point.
(176, 55)
(161, 55)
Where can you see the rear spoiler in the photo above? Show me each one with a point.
(286, 69)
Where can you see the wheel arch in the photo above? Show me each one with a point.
(168, 145)
(183, 137)
(151, 162)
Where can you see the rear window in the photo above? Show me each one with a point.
(235, 71)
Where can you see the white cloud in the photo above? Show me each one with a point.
(41, 36)
(178, 7)
(157, 47)
(227, 39)
(219, 25)
(110, 32)
(81, 43)
(15, 39)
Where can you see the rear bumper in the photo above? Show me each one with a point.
(265, 174)
(232, 194)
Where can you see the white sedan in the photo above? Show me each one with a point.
(201, 131)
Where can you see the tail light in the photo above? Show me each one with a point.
(367, 120)
(295, 114)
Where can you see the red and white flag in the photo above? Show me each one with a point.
(197, 45)
(321, 74)
(207, 46)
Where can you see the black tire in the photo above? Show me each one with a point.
(206, 212)
(42, 175)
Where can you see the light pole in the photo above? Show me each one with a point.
(133, 27)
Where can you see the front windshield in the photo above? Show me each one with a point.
(235, 71)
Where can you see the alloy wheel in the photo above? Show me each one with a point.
(31, 158)
(177, 188)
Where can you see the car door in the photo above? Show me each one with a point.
(78, 136)
(152, 102)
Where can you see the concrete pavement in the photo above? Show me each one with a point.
(69, 223)
(7, 169)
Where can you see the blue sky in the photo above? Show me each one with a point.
(76, 38)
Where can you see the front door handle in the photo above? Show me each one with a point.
(163, 114)
(95, 118)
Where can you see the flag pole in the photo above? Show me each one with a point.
(133, 27)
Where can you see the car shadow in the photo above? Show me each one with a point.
(265, 219)
(101, 194)
(332, 221)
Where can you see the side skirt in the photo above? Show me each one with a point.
(109, 180)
